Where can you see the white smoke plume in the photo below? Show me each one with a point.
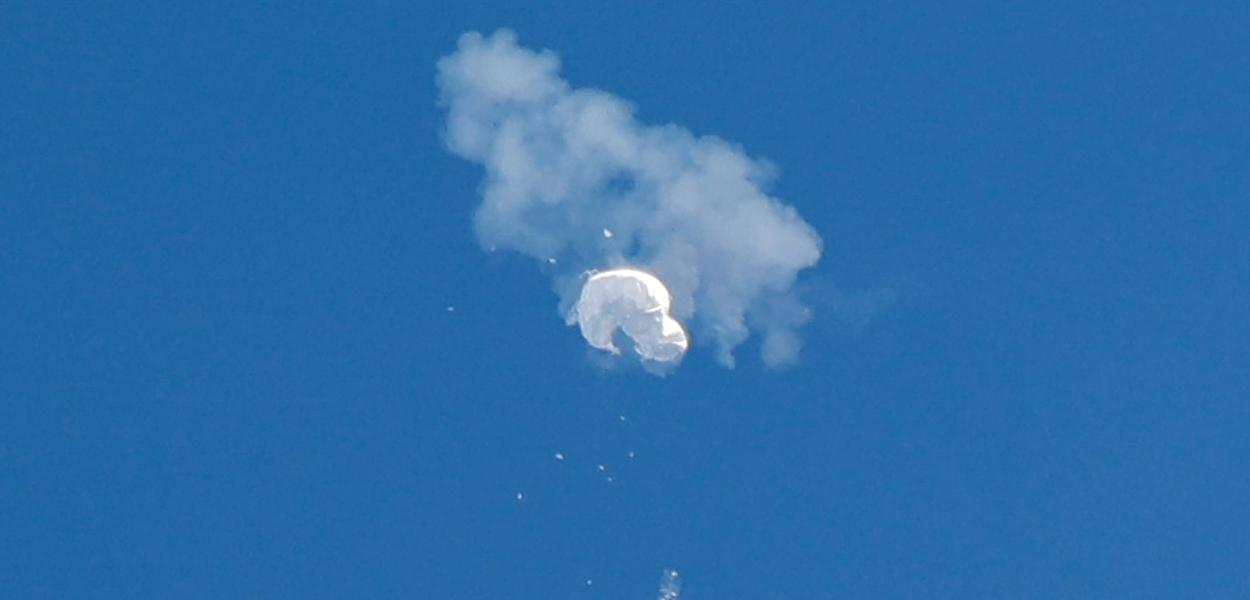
(573, 180)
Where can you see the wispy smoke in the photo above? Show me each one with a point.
(573, 180)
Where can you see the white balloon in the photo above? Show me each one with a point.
(638, 304)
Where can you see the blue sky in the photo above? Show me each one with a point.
(229, 234)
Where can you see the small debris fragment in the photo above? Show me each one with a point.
(559, 456)
(631, 453)
(551, 260)
(621, 417)
(451, 308)
(602, 468)
(670, 585)
(520, 496)
(607, 233)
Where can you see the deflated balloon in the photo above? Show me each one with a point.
(636, 303)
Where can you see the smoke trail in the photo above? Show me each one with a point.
(573, 180)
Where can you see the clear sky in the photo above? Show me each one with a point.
(230, 234)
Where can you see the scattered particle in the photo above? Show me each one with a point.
(621, 417)
(602, 468)
(610, 480)
(589, 582)
(551, 260)
(631, 453)
(607, 233)
(451, 308)
(520, 496)
(559, 456)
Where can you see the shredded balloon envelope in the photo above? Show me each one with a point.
(636, 303)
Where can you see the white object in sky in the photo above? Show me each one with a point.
(670, 585)
(638, 304)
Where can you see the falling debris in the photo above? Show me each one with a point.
(551, 260)
(607, 233)
(610, 480)
(602, 468)
(670, 585)
(622, 418)
(520, 496)
(451, 308)
(559, 456)
(631, 453)
(637, 303)
(590, 582)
